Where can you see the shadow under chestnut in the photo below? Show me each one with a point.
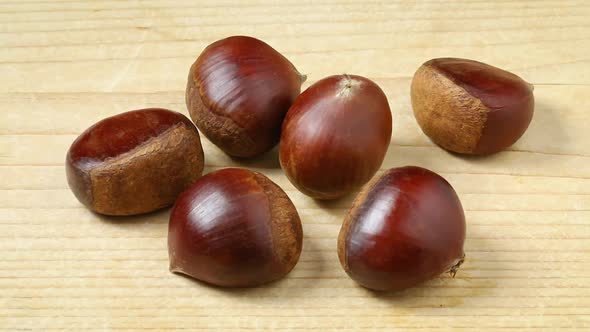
(159, 216)
(269, 159)
(545, 135)
(338, 206)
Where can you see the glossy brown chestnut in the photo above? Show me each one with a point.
(470, 107)
(404, 227)
(234, 228)
(335, 136)
(134, 162)
(238, 92)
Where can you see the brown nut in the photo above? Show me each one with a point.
(234, 228)
(134, 162)
(470, 107)
(335, 136)
(404, 227)
(238, 92)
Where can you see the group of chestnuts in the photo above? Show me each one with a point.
(236, 228)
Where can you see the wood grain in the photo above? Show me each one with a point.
(66, 64)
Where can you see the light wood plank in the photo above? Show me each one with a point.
(66, 64)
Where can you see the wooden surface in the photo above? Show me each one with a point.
(66, 64)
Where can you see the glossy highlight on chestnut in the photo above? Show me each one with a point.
(470, 107)
(134, 162)
(238, 92)
(335, 136)
(405, 227)
(234, 228)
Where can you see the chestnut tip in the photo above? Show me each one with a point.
(303, 78)
(456, 265)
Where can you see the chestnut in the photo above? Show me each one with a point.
(134, 162)
(470, 107)
(234, 228)
(404, 227)
(238, 92)
(335, 136)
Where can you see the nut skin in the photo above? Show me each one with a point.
(470, 107)
(335, 136)
(134, 162)
(238, 92)
(234, 228)
(405, 227)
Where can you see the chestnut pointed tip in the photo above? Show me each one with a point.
(172, 267)
(531, 86)
(303, 78)
(176, 269)
(456, 265)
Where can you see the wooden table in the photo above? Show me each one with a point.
(66, 64)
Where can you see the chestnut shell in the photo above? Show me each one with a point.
(238, 92)
(134, 162)
(335, 136)
(404, 227)
(470, 107)
(234, 228)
